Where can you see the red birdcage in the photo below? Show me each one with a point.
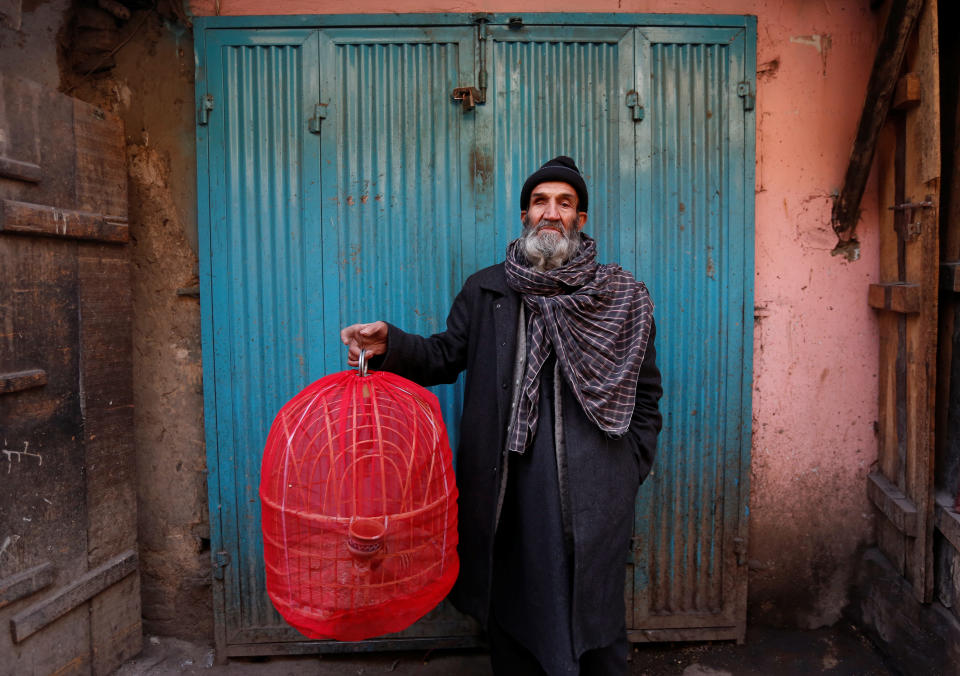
(359, 507)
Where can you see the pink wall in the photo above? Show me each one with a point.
(815, 346)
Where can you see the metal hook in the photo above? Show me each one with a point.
(363, 362)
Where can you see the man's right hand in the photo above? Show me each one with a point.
(371, 337)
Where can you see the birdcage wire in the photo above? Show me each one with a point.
(358, 503)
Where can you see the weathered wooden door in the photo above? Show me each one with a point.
(69, 587)
(341, 182)
(908, 160)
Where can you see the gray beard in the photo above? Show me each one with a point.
(549, 251)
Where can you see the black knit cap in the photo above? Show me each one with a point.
(560, 168)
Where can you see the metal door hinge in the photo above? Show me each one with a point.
(220, 561)
(633, 103)
(206, 106)
(745, 91)
(319, 115)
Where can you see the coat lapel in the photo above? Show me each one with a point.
(505, 305)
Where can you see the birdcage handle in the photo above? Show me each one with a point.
(363, 361)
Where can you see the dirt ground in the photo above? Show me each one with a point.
(839, 650)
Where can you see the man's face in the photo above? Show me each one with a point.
(554, 205)
(551, 225)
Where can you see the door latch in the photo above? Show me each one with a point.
(469, 97)
(911, 228)
(319, 115)
(633, 103)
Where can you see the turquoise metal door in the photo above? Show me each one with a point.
(694, 244)
(319, 146)
(339, 182)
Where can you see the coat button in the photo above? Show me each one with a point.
(503, 386)
(503, 344)
(497, 306)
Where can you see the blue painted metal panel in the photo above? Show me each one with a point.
(395, 182)
(696, 253)
(558, 92)
(256, 290)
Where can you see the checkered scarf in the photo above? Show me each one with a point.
(597, 319)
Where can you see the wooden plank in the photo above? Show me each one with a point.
(38, 219)
(22, 380)
(891, 501)
(25, 584)
(883, 80)
(106, 368)
(116, 631)
(895, 297)
(907, 94)
(39, 615)
(888, 457)
(36, 124)
(101, 162)
(921, 265)
(42, 504)
(20, 171)
(893, 544)
(947, 520)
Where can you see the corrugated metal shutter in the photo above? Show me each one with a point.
(329, 189)
(345, 185)
(695, 250)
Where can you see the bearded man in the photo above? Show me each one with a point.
(559, 428)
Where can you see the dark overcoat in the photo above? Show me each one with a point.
(602, 474)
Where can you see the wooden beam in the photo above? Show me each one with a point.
(948, 521)
(36, 617)
(883, 81)
(22, 380)
(890, 500)
(39, 219)
(24, 584)
(895, 297)
(20, 171)
(907, 94)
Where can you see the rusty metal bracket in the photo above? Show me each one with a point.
(911, 228)
(469, 97)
